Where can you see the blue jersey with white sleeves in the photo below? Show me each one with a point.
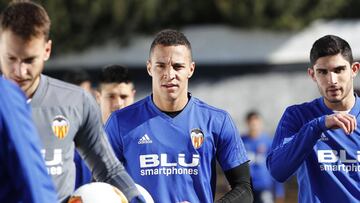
(326, 160)
(174, 158)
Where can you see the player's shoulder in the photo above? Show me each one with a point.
(305, 106)
(212, 110)
(137, 109)
(62, 86)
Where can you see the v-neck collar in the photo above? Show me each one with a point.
(167, 117)
(355, 110)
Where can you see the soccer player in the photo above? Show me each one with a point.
(65, 115)
(115, 90)
(257, 145)
(80, 78)
(320, 140)
(23, 176)
(170, 140)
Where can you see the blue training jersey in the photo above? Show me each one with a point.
(174, 158)
(23, 176)
(257, 149)
(326, 161)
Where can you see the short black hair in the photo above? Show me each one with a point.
(251, 114)
(114, 74)
(76, 76)
(169, 37)
(330, 45)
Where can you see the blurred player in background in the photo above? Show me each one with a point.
(115, 90)
(23, 176)
(65, 115)
(80, 78)
(169, 141)
(320, 140)
(257, 145)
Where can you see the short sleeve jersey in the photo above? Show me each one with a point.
(174, 158)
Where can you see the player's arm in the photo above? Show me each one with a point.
(292, 143)
(232, 157)
(20, 145)
(239, 180)
(93, 146)
(294, 140)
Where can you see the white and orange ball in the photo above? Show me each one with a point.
(97, 192)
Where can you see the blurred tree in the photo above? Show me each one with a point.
(78, 24)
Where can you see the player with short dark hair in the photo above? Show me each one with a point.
(65, 115)
(169, 141)
(319, 140)
(258, 144)
(115, 90)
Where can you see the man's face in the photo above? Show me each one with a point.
(22, 61)
(334, 77)
(254, 125)
(170, 68)
(114, 96)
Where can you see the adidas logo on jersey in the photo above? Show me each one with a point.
(145, 140)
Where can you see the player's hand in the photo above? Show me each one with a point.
(347, 122)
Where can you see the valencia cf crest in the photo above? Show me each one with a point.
(197, 138)
(60, 126)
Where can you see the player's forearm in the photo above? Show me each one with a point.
(238, 194)
(287, 156)
(239, 179)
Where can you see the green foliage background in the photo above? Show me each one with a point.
(78, 24)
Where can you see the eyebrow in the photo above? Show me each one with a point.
(337, 67)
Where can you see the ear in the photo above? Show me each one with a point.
(311, 73)
(97, 96)
(355, 68)
(148, 67)
(48, 45)
(192, 69)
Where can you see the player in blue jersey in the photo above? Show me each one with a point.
(169, 141)
(66, 116)
(257, 145)
(23, 176)
(320, 140)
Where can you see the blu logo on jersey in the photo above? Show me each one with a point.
(152, 160)
(333, 156)
(153, 164)
(54, 166)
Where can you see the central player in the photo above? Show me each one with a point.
(169, 141)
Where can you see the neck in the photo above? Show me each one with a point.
(170, 105)
(343, 105)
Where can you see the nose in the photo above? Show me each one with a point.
(332, 78)
(119, 103)
(20, 70)
(169, 73)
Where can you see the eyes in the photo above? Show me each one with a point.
(337, 70)
(29, 60)
(176, 66)
(114, 96)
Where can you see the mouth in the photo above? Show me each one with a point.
(170, 86)
(334, 91)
